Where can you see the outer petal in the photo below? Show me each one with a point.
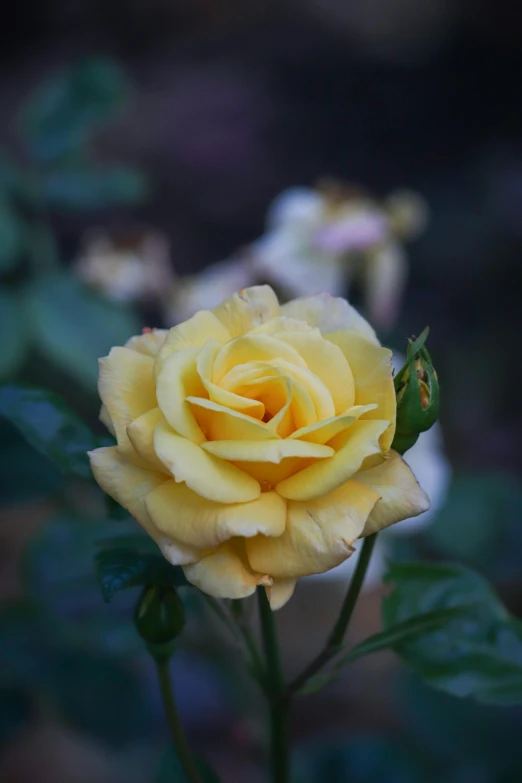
(328, 362)
(141, 435)
(401, 495)
(225, 573)
(193, 333)
(266, 450)
(318, 534)
(178, 380)
(325, 476)
(210, 477)
(149, 342)
(329, 313)
(247, 309)
(126, 387)
(280, 592)
(372, 370)
(127, 483)
(180, 513)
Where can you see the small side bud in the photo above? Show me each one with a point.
(418, 395)
(159, 618)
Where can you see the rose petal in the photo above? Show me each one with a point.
(225, 573)
(210, 477)
(193, 333)
(127, 483)
(247, 309)
(372, 370)
(401, 495)
(149, 342)
(318, 534)
(141, 435)
(220, 423)
(329, 313)
(323, 477)
(323, 431)
(280, 592)
(267, 450)
(194, 521)
(178, 380)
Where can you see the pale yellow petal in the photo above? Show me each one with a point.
(401, 495)
(266, 450)
(325, 476)
(329, 313)
(283, 323)
(149, 342)
(179, 554)
(126, 387)
(327, 361)
(318, 534)
(178, 380)
(210, 477)
(192, 333)
(323, 431)
(141, 435)
(220, 423)
(253, 348)
(218, 394)
(372, 370)
(194, 521)
(225, 573)
(127, 483)
(280, 592)
(313, 385)
(248, 309)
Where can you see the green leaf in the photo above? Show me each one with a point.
(12, 237)
(73, 327)
(92, 188)
(52, 428)
(43, 249)
(14, 335)
(63, 113)
(25, 474)
(121, 568)
(478, 654)
(171, 769)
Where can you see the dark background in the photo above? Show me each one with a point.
(230, 104)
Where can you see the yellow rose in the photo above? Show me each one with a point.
(254, 440)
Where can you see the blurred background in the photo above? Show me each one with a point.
(143, 142)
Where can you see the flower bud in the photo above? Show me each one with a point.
(159, 618)
(418, 398)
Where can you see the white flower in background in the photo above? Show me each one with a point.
(433, 471)
(324, 239)
(319, 241)
(126, 268)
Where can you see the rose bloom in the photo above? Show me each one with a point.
(254, 440)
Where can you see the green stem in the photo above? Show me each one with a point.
(175, 726)
(279, 707)
(336, 637)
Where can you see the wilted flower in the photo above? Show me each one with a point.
(254, 440)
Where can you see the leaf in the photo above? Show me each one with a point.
(64, 112)
(92, 188)
(25, 474)
(14, 334)
(73, 327)
(52, 428)
(171, 769)
(121, 568)
(12, 238)
(478, 654)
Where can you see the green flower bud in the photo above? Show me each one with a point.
(418, 395)
(159, 618)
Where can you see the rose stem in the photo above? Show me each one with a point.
(175, 726)
(275, 690)
(336, 637)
